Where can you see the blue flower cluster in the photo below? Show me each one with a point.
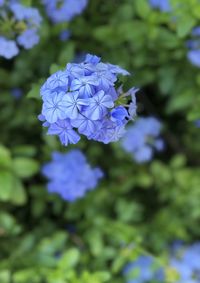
(142, 138)
(70, 175)
(64, 10)
(143, 270)
(186, 261)
(194, 47)
(82, 99)
(197, 123)
(163, 5)
(23, 26)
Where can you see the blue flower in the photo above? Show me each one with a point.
(108, 131)
(19, 15)
(93, 59)
(8, 48)
(98, 105)
(105, 77)
(196, 31)
(57, 81)
(64, 130)
(28, 38)
(142, 138)
(73, 104)
(74, 70)
(86, 95)
(70, 175)
(194, 57)
(163, 5)
(54, 107)
(193, 46)
(186, 261)
(85, 125)
(16, 92)
(143, 270)
(119, 114)
(64, 10)
(65, 35)
(84, 85)
(30, 15)
(132, 110)
(197, 123)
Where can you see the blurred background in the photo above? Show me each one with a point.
(140, 222)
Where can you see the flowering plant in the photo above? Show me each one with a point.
(19, 27)
(83, 99)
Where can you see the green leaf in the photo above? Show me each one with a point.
(25, 167)
(54, 68)
(143, 8)
(11, 188)
(24, 150)
(34, 92)
(19, 195)
(66, 54)
(5, 157)
(26, 2)
(184, 25)
(8, 224)
(69, 259)
(5, 276)
(6, 185)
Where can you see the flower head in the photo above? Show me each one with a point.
(86, 96)
(64, 10)
(23, 28)
(193, 46)
(142, 138)
(163, 5)
(143, 270)
(197, 123)
(70, 175)
(186, 262)
(28, 38)
(8, 48)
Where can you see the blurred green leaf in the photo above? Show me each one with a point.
(25, 167)
(5, 157)
(6, 185)
(34, 91)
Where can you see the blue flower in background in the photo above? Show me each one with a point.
(163, 5)
(143, 270)
(28, 38)
(142, 139)
(70, 175)
(64, 10)
(84, 95)
(197, 123)
(16, 92)
(193, 46)
(65, 35)
(8, 48)
(23, 30)
(186, 261)
(194, 57)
